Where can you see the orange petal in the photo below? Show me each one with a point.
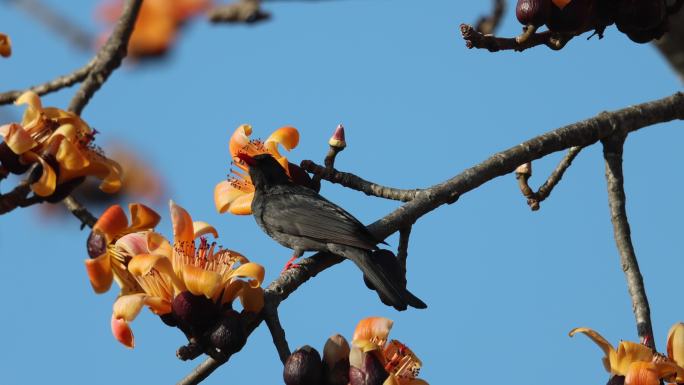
(142, 217)
(239, 139)
(142, 264)
(100, 273)
(112, 222)
(47, 182)
(254, 272)
(182, 224)
(252, 298)
(675, 343)
(201, 282)
(32, 113)
(134, 244)
(127, 307)
(286, 136)
(122, 332)
(5, 45)
(157, 244)
(69, 156)
(226, 195)
(374, 329)
(203, 228)
(646, 373)
(242, 205)
(17, 139)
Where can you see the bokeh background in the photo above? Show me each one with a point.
(504, 285)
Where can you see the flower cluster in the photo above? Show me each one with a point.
(637, 364)
(371, 360)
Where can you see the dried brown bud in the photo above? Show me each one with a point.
(337, 140)
(303, 367)
(336, 361)
(194, 313)
(229, 335)
(533, 12)
(96, 244)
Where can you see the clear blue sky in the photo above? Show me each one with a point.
(504, 285)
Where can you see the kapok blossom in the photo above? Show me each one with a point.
(110, 254)
(235, 195)
(371, 351)
(62, 143)
(176, 279)
(638, 363)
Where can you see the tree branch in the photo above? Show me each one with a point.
(108, 58)
(489, 23)
(270, 314)
(80, 212)
(475, 39)
(582, 133)
(612, 152)
(242, 11)
(356, 183)
(51, 86)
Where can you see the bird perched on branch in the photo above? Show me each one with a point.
(302, 220)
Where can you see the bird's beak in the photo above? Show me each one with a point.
(246, 158)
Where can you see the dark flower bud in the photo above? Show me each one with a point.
(303, 367)
(169, 319)
(570, 16)
(616, 380)
(336, 361)
(229, 335)
(642, 37)
(96, 244)
(371, 372)
(533, 12)
(390, 265)
(10, 160)
(194, 313)
(639, 15)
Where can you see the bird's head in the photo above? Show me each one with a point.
(264, 170)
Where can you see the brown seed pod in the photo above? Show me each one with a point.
(533, 12)
(303, 367)
(229, 335)
(640, 15)
(570, 16)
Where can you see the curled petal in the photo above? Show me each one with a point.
(229, 198)
(199, 281)
(242, 205)
(33, 111)
(252, 298)
(252, 271)
(675, 343)
(127, 307)
(203, 228)
(600, 341)
(142, 217)
(47, 182)
(112, 222)
(647, 373)
(375, 329)
(287, 136)
(17, 139)
(122, 332)
(157, 244)
(133, 244)
(239, 139)
(100, 273)
(182, 224)
(70, 157)
(142, 264)
(627, 353)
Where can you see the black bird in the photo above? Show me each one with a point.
(302, 220)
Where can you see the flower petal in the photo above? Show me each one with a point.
(200, 282)
(203, 228)
(252, 298)
(133, 244)
(675, 343)
(112, 222)
(627, 353)
(286, 136)
(127, 307)
(33, 111)
(122, 332)
(100, 273)
(375, 329)
(242, 205)
(252, 271)
(601, 342)
(239, 139)
(142, 217)
(182, 224)
(69, 156)
(646, 373)
(17, 138)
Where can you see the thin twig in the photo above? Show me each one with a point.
(488, 24)
(475, 39)
(242, 11)
(270, 314)
(51, 86)
(612, 152)
(108, 58)
(402, 249)
(80, 212)
(535, 198)
(18, 197)
(356, 183)
(582, 133)
(57, 23)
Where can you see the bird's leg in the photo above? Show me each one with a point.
(290, 264)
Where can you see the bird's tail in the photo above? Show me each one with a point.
(393, 290)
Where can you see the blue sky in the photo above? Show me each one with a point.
(504, 285)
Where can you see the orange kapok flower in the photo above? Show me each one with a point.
(371, 355)
(110, 253)
(5, 45)
(62, 143)
(639, 364)
(235, 195)
(188, 282)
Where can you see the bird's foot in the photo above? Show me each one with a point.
(290, 265)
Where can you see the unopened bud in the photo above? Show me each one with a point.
(303, 367)
(194, 313)
(524, 169)
(336, 361)
(337, 140)
(229, 335)
(370, 372)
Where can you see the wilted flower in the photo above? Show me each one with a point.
(110, 254)
(187, 284)
(374, 361)
(235, 195)
(157, 23)
(639, 364)
(5, 45)
(61, 142)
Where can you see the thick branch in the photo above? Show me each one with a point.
(582, 134)
(612, 152)
(51, 86)
(108, 58)
(354, 182)
(270, 314)
(489, 23)
(475, 39)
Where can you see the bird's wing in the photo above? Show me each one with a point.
(302, 212)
